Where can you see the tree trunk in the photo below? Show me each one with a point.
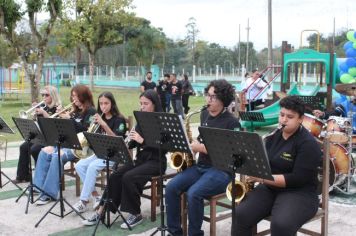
(91, 70)
(33, 87)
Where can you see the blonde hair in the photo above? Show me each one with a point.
(56, 100)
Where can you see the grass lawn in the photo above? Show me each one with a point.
(127, 100)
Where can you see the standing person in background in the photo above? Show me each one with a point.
(187, 91)
(51, 100)
(148, 83)
(254, 85)
(177, 95)
(167, 78)
(162, 91)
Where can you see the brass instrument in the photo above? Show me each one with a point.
(66, 108)
(86, 151)
(179, 160)
(241, 189)
(30, 112)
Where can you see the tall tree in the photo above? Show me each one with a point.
(30, 51)
(99, 23)
(192, 34)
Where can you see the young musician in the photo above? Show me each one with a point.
(46, 174)
(202, 180)
(127, 182)
(51, 100)
(113, 123)
(291, 198)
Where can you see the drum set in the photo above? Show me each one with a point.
(342, 142)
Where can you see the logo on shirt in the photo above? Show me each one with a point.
(286, 156)
(121, 128)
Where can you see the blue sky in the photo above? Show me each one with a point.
(218, 20)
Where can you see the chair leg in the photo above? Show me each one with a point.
(184, 211)
(153, 199)
(213, 217)
(63, 183)
(77, 185)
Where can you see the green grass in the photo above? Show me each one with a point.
(127, 100)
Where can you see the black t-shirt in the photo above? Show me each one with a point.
(50, 110)
(116, 124)
(82, 121)
(297, 158)
(176, 90)
(162, 87)
(224, 120)
(148, 85)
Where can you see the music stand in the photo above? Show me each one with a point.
(31, 134)
(4, 128)
(60, 133)
(236, 152)
(109, 148)
(164, 131)
(252, 116)
(311, 102)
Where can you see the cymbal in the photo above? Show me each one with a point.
(281, 94)
(346, 89)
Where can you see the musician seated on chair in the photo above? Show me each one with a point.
(342, 108)
(126, 183)
(202, 180)
(110, 122)
(51, 101)
(291, 198)
(46, 174)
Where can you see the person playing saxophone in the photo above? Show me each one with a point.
(202, 180)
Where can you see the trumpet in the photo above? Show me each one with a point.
(241, 189)
(25, 114)
(66, 108)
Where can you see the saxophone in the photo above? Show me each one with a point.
(179, 160)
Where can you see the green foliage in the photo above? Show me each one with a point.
(12, 14)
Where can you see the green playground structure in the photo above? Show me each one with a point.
(271, 112)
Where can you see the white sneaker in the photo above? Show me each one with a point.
(96, 201)
(91, 220)
(80, 207)
(43, 200)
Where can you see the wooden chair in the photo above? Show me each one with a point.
(212, 217)
(322, 212)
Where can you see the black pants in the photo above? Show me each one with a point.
(163, 102)
(252, 105)
(126, 185)
(23, 172)
(289, 210)
(185, 103)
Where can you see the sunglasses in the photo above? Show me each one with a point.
(45, 95)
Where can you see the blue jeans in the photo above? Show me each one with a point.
(198, 182)
(178, 107)
(46, 174)
(88, 169)
(168, 101)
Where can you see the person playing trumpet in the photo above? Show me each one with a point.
(46, 174)
(291, 198)
(202, 180)
(51, 100)
(113, 123)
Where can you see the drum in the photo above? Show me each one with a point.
(337, 129)
(313, 124)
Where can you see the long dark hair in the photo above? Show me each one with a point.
(85, 97)
(152, 95)
(114, 110)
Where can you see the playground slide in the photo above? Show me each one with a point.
(271, 112)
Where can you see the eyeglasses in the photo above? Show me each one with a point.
(211, 97)
(45, 95)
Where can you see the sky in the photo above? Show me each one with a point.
(218, 20)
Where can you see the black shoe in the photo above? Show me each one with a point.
(20, 181)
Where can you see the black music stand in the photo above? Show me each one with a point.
(4, 128)
(252, 116)
(164, 131)
(60, 133)
(312, 102)
(31, 134)
(236, 152)
(109, 148)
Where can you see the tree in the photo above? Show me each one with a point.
(30, 51)
(99, 23)
(192, 33)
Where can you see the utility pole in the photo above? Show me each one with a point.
(270, 55)
(247, 44)
(239, 60)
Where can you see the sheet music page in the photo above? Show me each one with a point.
(185, 133)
